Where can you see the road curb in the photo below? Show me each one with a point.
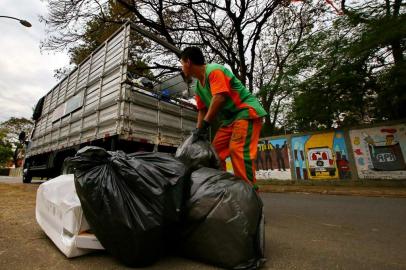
(368, 192)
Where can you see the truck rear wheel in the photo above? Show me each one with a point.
(66, 167)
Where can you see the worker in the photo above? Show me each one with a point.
(221, 95)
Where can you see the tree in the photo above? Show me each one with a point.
(338, 85)
(95, 31)
(11, 130)
(228, 30)
(276, 76)
(383, 36)
(350, 75)
(6, 152)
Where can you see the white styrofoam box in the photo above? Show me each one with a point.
(88, 241)
(60, 215)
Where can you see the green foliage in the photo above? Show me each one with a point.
(6, 152)
(9, 141)
(383, 37)
(288, 31)
(354, 71)
(98, 30)
(14, 126)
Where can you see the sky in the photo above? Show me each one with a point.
(26, 74)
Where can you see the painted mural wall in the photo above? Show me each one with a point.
(273, 159)
(321, 156)
(380, 152)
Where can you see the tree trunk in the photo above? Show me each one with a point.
(396, 44)
(397, 52)
(266, 129)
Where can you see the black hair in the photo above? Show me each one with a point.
(194, 54)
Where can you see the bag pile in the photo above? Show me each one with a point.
(129, 199)
(223, 223)
(136, 204)
(197, 154)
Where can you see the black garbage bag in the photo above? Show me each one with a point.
(197, 154)
(128, 200)
(224, 224)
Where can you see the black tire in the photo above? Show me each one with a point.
(312, 172)
(27, 178)
(66, 167)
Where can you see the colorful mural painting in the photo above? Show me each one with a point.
(380, 152)
(273, 159)
(320, 156)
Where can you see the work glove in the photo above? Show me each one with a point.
(201, 133)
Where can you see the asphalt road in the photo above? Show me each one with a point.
(335, 232)
(303, 231)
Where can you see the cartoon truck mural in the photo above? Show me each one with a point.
(321, 161)
(319, 150)
(321, 156)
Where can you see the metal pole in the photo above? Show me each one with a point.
(23, 22)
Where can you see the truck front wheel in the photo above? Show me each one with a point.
(27, 178)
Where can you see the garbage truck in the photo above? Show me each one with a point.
(101, 103)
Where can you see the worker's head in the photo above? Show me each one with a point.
(190, 58)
